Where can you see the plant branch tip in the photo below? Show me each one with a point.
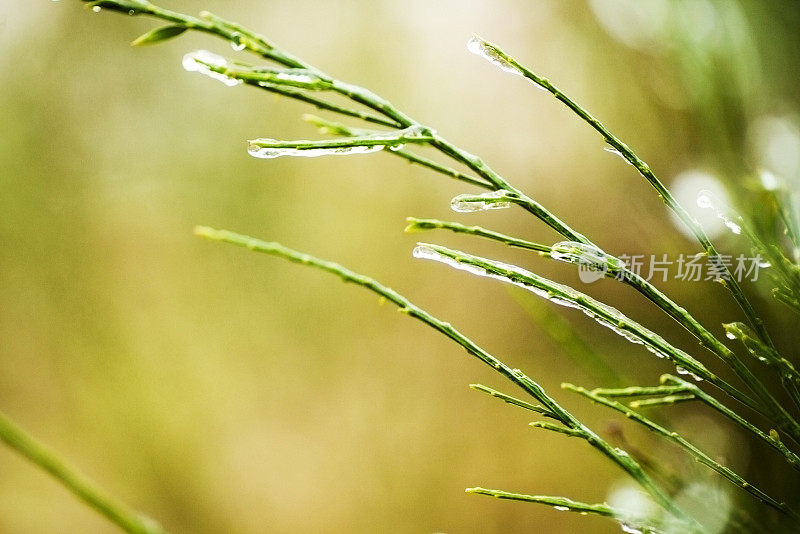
(206, 231)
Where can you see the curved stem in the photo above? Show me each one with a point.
(618, 456)
(79, 485)
(644, 169)
(677, 439)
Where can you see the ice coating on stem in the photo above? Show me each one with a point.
(682, 371)
(202, 60)
(481, 48)
(237, 42)
(486, 201)
(273, 148)
(293, 77)
(604, 314)
(705, 200)
(613, 150)
(266, 152)
(587, 255)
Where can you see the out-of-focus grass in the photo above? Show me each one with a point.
(224, 392)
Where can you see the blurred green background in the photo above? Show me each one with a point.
(222, 391)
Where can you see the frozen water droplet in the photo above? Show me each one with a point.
(486, 201)
(705, 200)
(237, 42)
(295, 77)
(267, 152)
(730, 335)
(561, 508)
(733, 227)
(480, 48)
(425, 253)
(560, 294)
(96, 9)
(395, 148)
(202, 60)
(682, 371)
(613, 150)
(586, 255)
(271, 148)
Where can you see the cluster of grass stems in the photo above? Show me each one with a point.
(768, 415)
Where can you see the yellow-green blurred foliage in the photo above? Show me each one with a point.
(221, 391)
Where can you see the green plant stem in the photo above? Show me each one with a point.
(386, 140)
(255, 43)
(416, 225)
(80, 486)
(259, 45)
(669, 400)
(337, 128)
(573, 506)
(513, 400)
(569, 341)
(770, 405)
(602, 313)
(404, 305)
(646, 172)
(788, 214)
(792, 458)
(786, 298)
(323, 105)
(557, 429)
(568, 505)
(785, 272)
(442, 169)
(790, 378)
(493, 180)
(618, 456)
(639, 391)
(675, 438)
(709, 341)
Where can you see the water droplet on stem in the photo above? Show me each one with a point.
(486, 201)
